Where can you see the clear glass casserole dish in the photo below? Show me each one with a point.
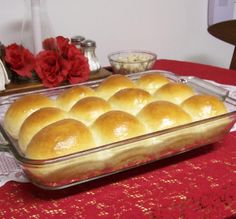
(80, 167)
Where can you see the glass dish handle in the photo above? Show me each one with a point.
(205, 86)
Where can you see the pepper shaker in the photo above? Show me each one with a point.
(88, 47)
(77, 40)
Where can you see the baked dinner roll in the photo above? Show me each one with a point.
(112, 84)
(89, 109)
(161, 115)
(21, 109)
(69, 97)
(115, 126)
(152, 81)
(61, 138)
(203, 106)
(36, 121)
(174, 92)
(130, 100)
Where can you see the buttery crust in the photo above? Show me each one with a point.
(152, 81)
(36, 121)
(203, 106)
(161, 115)
(69, 97)
(89, 109)
(112, 84)
(60, 138)
(130, 100)
(174, 92)
(21, 109)
(115, 126)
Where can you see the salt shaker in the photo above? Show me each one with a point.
(77, 40)
(88, 47)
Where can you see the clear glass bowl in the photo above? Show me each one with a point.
(126, 62)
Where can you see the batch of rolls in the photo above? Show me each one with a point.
(81, 117)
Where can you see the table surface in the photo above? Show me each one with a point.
(13, 88)
(196, 184)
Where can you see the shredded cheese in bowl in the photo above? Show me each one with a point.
(131, 62)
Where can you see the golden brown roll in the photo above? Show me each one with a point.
(130, 100)
(174, 92)
(89, 109)
(69, 97)
(36, 121)
(115, 126)
(203, 106)
(152, 81)
(161, 115)
(112, 84)
(60, 138)
(21, 109)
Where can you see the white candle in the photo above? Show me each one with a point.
(36, 25)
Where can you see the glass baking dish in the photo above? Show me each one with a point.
(113, 158)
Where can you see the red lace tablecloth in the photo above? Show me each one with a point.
(197, 184)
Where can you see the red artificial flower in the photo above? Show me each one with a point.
(63, 45)
(50, 44)
(59, 43)
(59, 62)
(77, 63)
(79, 66)
(51, 68)
(21, 60)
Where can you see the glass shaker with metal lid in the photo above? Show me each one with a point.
(77, 40)
(88, 47)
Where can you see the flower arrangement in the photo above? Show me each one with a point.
(60, 62)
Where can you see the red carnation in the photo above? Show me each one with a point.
(51, 68)
(79, 66)
(59, 62)
(50, 44)
(21, 60)
(63, 44)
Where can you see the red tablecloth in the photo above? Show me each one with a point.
(217, 74)
(197, 184)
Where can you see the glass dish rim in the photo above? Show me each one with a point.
(27, 161)
(75, 155)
